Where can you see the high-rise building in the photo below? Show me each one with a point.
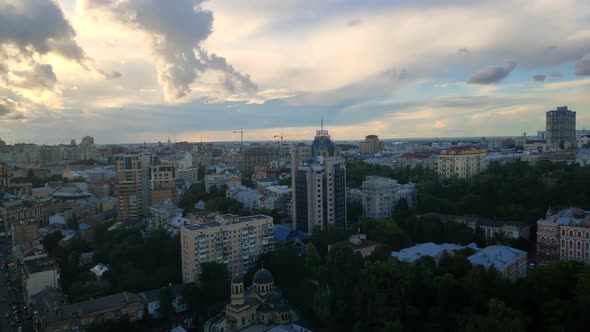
(371, 145)
(319, 184)
(461, 161)
(561, 128)
(259, 156)
(132, 186)
(230, 240)
(162, 183)
(564, 235)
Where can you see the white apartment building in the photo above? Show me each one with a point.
(381, 195)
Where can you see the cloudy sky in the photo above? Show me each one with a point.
(146, 70)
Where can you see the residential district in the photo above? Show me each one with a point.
(288, 236)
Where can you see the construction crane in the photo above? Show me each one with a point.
(281, 146)
(241, 132)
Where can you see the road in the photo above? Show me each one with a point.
(10, 293)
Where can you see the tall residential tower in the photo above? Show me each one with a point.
(561, 128)
(319, 184)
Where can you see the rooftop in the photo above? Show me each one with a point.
(428, 249)
(217, 224)
(497, 256)
(569, 217)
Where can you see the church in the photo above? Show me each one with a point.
(262, 304)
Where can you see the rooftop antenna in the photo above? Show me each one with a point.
(322, 123)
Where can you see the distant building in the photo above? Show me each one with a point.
(561, 128)
(427, 160)
(371, 145)
(38, 274)
(381, 195)
(259, 156)
(152, 298)
(583, 157)
(163, 211)
(162, 183)
(510, 262)
(461, 161)
(436, 251)
(231, 240)
(190, 175)
(319, 184)
(53, 314)
(490, 228)
(564, 235)
(262, 304)
(132, 186)
(358, 243)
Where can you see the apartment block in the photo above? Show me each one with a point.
(162, 183)
(560, 128)
(462, 162)
(371, 145)
(230, 240)
(132, 186)
(381, 195)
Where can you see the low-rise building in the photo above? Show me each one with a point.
(164, 211)
(436, 251)
(190, 175)
(38, 274)
(491, 228)
(262, 304)
(510, 262)
(564, 235)
(52, 314)
(152, 299)
(358, 243)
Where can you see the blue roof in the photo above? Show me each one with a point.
(8, 197)
(84, 227)
(283, 233)
(431, 249)
(497, 256)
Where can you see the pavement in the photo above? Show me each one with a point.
(10, 294)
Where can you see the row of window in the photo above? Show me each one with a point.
(578, 234)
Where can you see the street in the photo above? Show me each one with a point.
(10, 299)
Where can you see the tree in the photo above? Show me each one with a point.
(51, 242)
(312, 261)
(215, 285)
(166, 308)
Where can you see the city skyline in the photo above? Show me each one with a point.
(135, 71)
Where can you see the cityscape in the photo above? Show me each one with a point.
(265, 166)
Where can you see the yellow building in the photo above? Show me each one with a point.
(162, 183)
(236, 242)
(130, 187)
(462, 162)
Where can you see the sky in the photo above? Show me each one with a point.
(126, 71)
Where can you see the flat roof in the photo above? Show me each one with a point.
(217, 224)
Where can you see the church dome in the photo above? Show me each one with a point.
(262, 276)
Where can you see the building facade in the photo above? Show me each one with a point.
(381, 195)
(462, 162)
(259, 156)
(319, 184)
(162, 183)
(233, 241)
(564, 235)
(561, 128)
(132, 188)
(371, 145)
(510, 262)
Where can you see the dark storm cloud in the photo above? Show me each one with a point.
(492, 74)
(539, 78)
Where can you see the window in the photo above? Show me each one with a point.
(562, 242)
(579, 234)
(587, 245)
(563, 232)
(579, 245)
(571, 233)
